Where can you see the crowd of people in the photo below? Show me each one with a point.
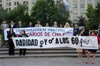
(76, 32)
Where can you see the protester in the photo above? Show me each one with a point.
(85, 33)
(47, 24)
(99, 30)
(80, 51)
(92, 50)
(38, 24)
(67, 25)
(61, 26)
(55, 24)
(23, 51)
(20, 25)
(10, 35)
(3, 26)
(76, 30)
(12, 25)
(30, 24)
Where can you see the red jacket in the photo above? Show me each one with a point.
(97, 38)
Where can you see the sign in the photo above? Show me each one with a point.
(81, 42)
(42, 31)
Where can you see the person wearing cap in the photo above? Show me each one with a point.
(23, 51)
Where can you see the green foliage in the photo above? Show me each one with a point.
(43, 10)
(93, 16)
(46, 11)
(3, 14)
(39, 11)
(63, 15)
(0, 36)
(19, 14)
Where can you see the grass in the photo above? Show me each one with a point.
(0, 36)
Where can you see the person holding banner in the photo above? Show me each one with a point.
(3, 27)
(80, 51)
(61, 26)
(10, 35)
(23, 51)
(67, 25)
(92, 50)
(99, 30)
(55, 24)
(47, 24)
(30, 24)
(38, 24)
(20, 25)
(12, 25)
(76, 30)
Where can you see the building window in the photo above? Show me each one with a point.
(82, 5)
(26, 2)
(0, 0)
(74, 5)
(23, 2)
(9, 3)
(17, 3)
(14, 3)
(82, 12)
(75, 12)
(14, 7)
(89, 0)
(75, 18)
(96, 0)
(9, 8)
(8, 0)
(74, 0)
(0, 5)
(82, 0)
(95, 4)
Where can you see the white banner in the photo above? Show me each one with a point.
(81, 42)
(42, 31)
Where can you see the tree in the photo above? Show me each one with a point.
(19, 14)
(97, 15)
(63, 14)
(91, 16)
(39, 11)
(47, 11)
(3, 14)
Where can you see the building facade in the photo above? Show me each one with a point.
(12, 4)
(78, 8)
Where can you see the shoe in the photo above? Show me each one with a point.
(86, 62)
(92, 62)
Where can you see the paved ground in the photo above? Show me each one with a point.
(47, 62)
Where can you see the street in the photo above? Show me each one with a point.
(47, 62)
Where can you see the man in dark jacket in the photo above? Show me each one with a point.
(20, 25)
(12, 25)
(76, 30)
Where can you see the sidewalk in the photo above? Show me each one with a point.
(47, 62)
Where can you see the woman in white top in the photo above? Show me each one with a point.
(80, 51)
(67, 25)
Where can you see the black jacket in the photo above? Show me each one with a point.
(10, 35)
(13, 26)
